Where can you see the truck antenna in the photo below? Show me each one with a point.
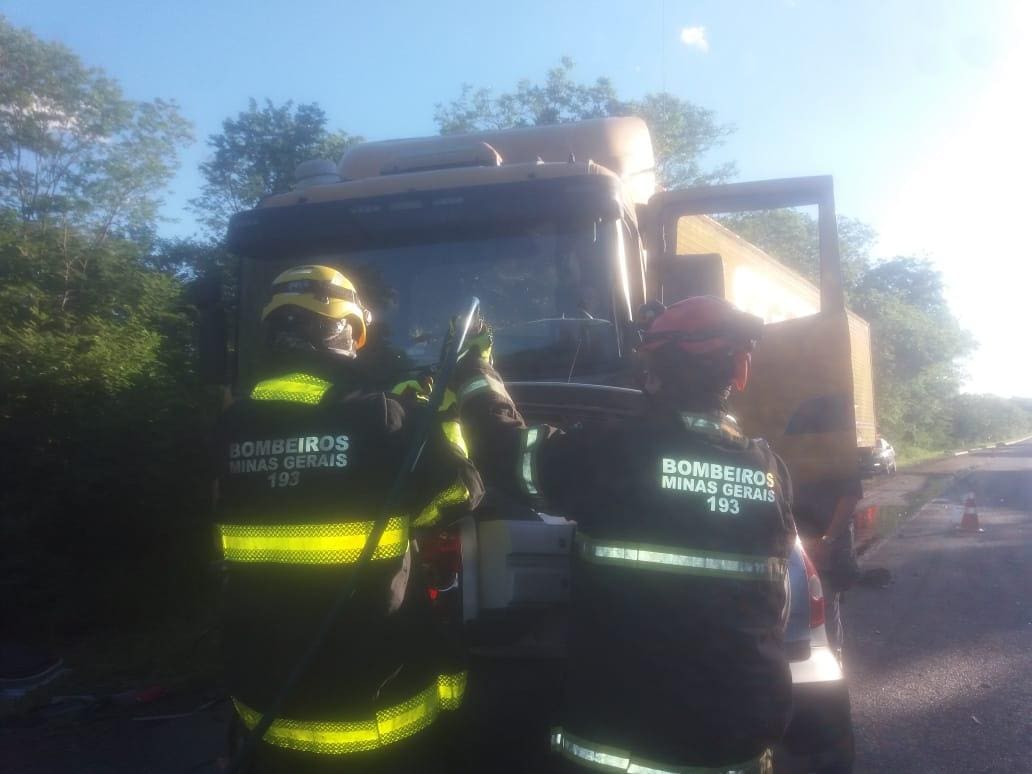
(662, 45)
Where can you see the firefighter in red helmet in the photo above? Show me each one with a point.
(684, 529)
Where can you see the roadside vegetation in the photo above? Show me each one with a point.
(103, 420)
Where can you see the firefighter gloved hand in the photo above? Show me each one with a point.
(478, 338)
(415, 390)
(474, 369)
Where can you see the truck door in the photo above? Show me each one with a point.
(810, 392)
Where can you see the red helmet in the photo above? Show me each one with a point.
(703, 325)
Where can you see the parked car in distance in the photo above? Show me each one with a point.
(880, 458)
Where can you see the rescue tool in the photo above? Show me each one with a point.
(454, 342)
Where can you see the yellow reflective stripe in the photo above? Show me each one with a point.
(604, 758)
(296, 388)
(389, 725)
(451, 689)
(662, 558)
(532, 436)
(479, 342)
(339, 543)
(419, 390)
(411, 384)
(453, 432)
(456, 494)
(403, 720)
(449, 400)
(320, 737)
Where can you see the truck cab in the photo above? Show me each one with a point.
(562, 234)
(551, 249)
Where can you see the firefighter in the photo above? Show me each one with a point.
(306, 462)
(684, 528)
(826, 527)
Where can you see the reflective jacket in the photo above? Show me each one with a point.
(684, 529)
(304, 472)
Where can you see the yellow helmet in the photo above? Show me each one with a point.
(323, 291)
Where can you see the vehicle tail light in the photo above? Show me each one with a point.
(865, 517)
(813, 585)
(441, 555)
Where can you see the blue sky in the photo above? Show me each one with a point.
(918, 108)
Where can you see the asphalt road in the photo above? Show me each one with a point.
(940, 661)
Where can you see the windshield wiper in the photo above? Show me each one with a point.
(588, 321)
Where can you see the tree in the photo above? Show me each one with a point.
(791, 236)
(916, 341)
(81, 167)
(682, 132)
(101, 413)
(990, 418)
(73, 150)
(256, 153)
(917, 345)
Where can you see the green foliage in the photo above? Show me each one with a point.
(791, 237)
(990, 419)
(73, 150)
(255, 154)
(102, 417)
(682, 132)
(917, 343)
(558, 100)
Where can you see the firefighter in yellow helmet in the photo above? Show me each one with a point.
(305, 463)
(315, 308)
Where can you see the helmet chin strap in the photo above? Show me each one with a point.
(740, 376)
(290, 342)
(342, 336)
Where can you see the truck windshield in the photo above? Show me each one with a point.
(545, 290)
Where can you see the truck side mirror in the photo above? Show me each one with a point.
(212, 330)
(648, 312)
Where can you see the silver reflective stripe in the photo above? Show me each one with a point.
(672, 559)
(478, 385)
(579, 750)
(597, 756)
(475, 386)
(640, 768)
(572, 747)
(610, 759)
(600, 757)
(528, 474)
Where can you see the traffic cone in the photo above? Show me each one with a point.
(969, 522)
